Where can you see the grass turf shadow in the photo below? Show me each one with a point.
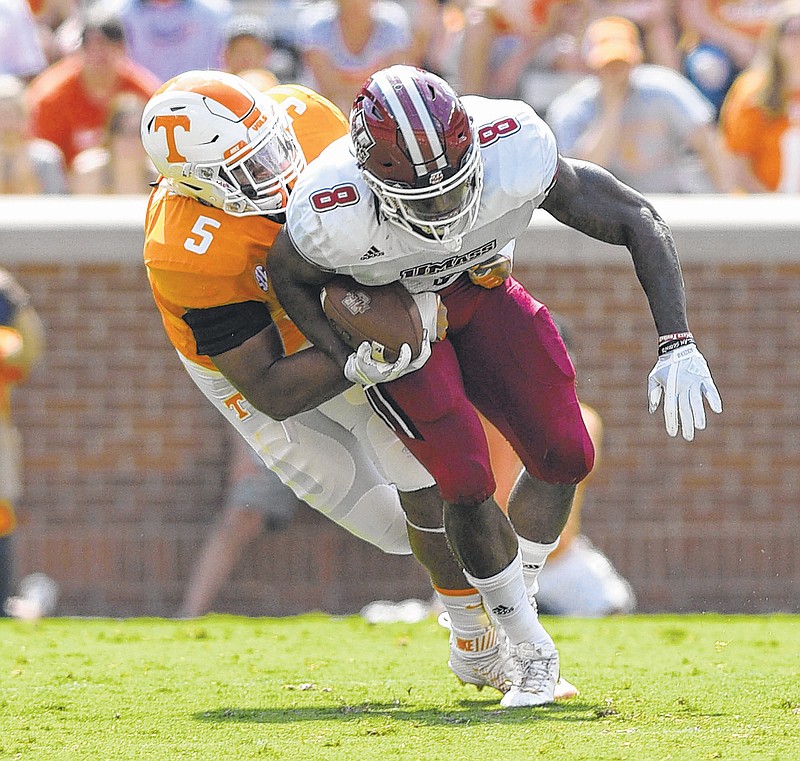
(469, 711)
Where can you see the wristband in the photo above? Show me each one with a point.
(672, 341)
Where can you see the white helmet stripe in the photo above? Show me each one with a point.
(405, 126)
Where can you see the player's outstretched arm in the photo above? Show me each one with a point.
(591, 200)
(275, 384)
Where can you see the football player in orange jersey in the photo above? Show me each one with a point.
(228, 156)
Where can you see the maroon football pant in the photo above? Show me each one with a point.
(503, 356)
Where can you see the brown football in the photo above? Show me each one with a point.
(385, 315)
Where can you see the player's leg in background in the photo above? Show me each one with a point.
(6, 569)
(320, 461)
(9, 490)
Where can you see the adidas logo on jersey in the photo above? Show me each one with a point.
(371, 254)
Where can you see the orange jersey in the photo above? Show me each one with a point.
(199, 257)
(752, 133)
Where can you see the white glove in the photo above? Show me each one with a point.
(362, 368)
(682, 375)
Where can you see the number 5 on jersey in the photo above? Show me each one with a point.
(202, 236)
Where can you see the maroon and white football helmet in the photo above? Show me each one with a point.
(418, 153)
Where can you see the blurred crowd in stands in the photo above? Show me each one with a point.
(670, 95)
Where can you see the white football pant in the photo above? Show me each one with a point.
(340, 458)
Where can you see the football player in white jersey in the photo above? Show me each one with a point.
(431, 189)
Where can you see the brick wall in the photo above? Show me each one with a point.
(125, 461)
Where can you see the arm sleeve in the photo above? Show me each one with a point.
(219, 329)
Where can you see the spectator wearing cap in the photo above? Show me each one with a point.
(646, 124)
(69, 101)
(248, 50)
(172, 36)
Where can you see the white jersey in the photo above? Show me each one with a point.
(334, 223)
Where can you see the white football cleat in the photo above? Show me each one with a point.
(481, 661)
(493, 669)
(535, 676)
(564, 690)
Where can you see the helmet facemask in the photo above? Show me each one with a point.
(258, 179)
(442, 212)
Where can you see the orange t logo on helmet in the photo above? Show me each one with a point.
(170, 123)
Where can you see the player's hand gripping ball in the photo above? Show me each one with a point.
(386, 316)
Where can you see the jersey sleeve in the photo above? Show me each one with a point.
(331, 212)
(518, 148)
(540, 145)
(317, 122)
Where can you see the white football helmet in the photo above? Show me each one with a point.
(218, 139)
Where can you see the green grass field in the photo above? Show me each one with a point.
(318, 687)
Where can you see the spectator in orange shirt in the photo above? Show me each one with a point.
(70, 100)
(760, 117)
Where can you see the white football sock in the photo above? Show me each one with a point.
(472, 630)
(534, 555)
(506, 600)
